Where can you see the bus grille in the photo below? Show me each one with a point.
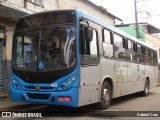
(38, 96)
(42, 88)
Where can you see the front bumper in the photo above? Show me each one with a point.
(18, 95)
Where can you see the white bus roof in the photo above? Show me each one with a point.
(112, 28)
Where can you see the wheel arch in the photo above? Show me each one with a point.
(110, 81)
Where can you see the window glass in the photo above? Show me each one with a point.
(107, 37)
(147, 56)
(155, 58)
(131, 54)
(38, 2)
(120, 51)
(88, 46)
(140, 56)
(134, 49)
(129, 51)
(19, 53)
(93, 45)
(45, 49)
(107, 46)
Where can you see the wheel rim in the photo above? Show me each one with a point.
(106, 96)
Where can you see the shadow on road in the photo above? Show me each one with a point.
(126, 98)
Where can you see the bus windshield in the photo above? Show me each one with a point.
(44, 49)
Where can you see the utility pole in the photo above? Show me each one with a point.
(136, 20)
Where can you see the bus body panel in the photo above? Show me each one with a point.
(89, 89)
(118, 72)
(152, 73)
(16, 96)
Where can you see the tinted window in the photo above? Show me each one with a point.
(120, 51)
(107, 44)
(140, 56)
(147, 56)
(88, 46)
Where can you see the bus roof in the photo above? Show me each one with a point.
(112, 28)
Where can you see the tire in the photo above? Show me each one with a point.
(106, 96)
(146, 89)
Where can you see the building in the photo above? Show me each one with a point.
(11, 10)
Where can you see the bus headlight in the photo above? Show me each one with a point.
(15, 84)
(63, 87)
(67, 84)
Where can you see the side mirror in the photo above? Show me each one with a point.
(89, 35)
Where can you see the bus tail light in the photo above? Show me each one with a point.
(64, 98)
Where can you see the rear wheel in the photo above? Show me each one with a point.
(106, 96)
(146, 89)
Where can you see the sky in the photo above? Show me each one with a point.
(148, 10)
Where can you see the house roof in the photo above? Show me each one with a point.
(151, 28)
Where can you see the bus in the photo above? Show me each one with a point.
(79, 60)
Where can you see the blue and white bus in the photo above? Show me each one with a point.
(78, 60)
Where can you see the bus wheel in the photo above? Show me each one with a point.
(106, 96)
(146, 89)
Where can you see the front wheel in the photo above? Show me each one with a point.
(106, 96)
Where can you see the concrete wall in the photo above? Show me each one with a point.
(9, 27)
(82, 4)
(47, 5)
(7, 51)
(62, 4)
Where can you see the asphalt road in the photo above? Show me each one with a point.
(128, 107)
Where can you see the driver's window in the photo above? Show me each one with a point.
(88, 45)
(93, 45)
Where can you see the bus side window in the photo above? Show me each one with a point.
(107, 44)
(142, 54)
(147, 56)
(19, 52)
(155, 58)
(88, 46)
(140, 57)
(152, 57)
(120, 51)
(134, 51)
(129, 51)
